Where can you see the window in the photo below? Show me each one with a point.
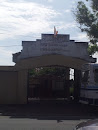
(96, 75)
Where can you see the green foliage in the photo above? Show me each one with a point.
(32, 72)
(48, 71)
(92, 49)
(94, 4)
(88, 19)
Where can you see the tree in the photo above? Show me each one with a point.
(48, 71)
(92, 49)
(87, 17)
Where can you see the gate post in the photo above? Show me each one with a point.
(67, 73)
(77, 84)
(22, 86)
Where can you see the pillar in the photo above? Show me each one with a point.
(22, 86)
(77, 84)
(67, 77)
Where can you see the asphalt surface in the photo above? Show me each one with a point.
(33, 124)
(45, 115)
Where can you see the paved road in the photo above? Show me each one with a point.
(43, 115)
(34, 124)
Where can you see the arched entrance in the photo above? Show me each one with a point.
(45, 52)
(50, 51)
(44, 89)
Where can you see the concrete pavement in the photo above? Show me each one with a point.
(34, 124)
(44, 115)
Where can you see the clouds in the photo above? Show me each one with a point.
(81, 37)
(24, 17)
(5, 52)
(67, 11)
(64, 25)
(5, 56)
(50, 0)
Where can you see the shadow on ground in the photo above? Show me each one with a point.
(49, 110)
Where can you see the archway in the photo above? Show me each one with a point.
(50, 51)
(50, 61)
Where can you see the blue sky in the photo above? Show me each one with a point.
(27, 19)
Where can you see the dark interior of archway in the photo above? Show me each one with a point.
(50, 83)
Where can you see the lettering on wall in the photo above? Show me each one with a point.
(54, 47)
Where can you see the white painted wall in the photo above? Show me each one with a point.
(48, 44)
